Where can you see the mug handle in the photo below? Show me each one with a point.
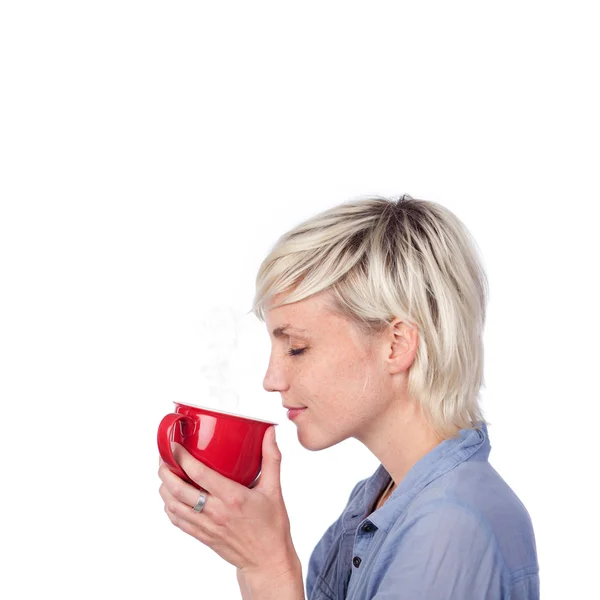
(164, 437)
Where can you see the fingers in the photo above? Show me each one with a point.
(177, 489)
(189, 527)
(173, 506)
(182, 516)
(205, 477)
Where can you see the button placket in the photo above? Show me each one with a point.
(362, 543)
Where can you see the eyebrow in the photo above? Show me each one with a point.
(281, 331)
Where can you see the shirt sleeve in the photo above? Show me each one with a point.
(444, 553)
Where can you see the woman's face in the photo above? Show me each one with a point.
(321, 362)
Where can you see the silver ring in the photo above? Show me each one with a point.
(200, 504)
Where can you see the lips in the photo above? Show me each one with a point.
(294, 412)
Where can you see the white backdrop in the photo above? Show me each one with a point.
(151, 154)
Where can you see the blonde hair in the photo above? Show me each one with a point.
(382, 259)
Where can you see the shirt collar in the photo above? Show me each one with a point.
(467, 444)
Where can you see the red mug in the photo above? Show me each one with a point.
(225, 442)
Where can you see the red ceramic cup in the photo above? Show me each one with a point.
(225, 442)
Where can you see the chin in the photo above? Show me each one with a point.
(314, 443)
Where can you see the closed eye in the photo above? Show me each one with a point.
(296, 351)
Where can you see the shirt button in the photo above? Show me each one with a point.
(367, 527)
(356, 561)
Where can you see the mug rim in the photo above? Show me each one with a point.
(225, 412)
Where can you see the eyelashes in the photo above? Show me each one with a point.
(296, 351)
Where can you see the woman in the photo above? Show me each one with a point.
(376, 312)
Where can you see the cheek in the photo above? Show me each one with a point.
(363, 387)
(343, 382)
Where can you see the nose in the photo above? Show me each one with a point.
(275, 379)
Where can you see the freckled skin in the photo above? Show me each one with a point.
(341, 375)
(353, 385)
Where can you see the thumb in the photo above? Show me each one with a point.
(271, 460)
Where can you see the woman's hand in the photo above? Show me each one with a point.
(248, 528)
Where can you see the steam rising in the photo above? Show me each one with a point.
(219, 345)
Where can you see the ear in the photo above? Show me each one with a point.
(402, 340)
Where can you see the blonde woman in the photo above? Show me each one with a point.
(375, 310)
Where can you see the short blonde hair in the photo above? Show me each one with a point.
(382, 259)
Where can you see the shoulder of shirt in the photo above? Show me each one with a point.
(477, 491)
(476, 486)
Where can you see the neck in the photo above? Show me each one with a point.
(385, 495)
(399, 438)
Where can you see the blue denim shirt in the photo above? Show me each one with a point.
(453, 529)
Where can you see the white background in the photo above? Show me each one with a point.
(152, 153)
